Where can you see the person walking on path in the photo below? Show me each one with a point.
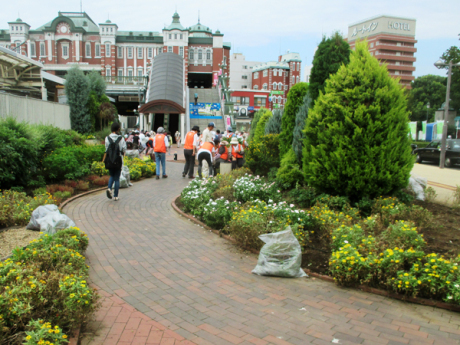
(170, 142)
(191, 142)
(237, 152)
(177, 136)
(160, 143)
(205, 153)
(207, 135)
(115, 148)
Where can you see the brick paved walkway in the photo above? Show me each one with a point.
(200, 288)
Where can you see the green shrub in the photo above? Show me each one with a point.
(295, 99)
(261, 124)
(71, 162)
(39, 191)
(16, 207)
(196, 195)
(217, 213)
(338, 203)
(263, 155)
(46, 284)
(98, 168)
(290, 173)
(304, 197)
(252, 187)
(19, 155)
(356, 137)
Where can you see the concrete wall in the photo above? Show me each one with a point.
(35, 111)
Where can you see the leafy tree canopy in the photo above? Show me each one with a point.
(427, 88)
(274, 124)
(453, 54)
(77, 89)
(261, 124)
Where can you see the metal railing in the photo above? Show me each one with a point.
(126, 80)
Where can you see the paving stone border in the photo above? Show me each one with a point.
(365, 288)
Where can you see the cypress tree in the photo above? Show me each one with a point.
(261, 124)
(254, 122)
(356, 137)
(300, 118)
(77, 89)
(331, 54)
(274, 124)
(293, 103)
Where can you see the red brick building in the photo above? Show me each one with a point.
(73, 38)
(392, 41)
(277, 77)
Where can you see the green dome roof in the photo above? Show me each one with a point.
(108, 21)
(175, 23)
(19, 20)
(199, 28)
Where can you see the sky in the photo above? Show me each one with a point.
(262, 29)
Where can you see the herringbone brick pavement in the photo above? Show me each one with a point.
(164, 270)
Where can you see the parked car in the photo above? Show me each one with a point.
(433, 152)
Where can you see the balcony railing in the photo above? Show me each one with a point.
(126, 80)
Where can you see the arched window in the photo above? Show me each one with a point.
(191, 54)
(280, 99)
(275, 86)
(256, 87)
(280, 86)
(275, 72)
(264, 87)
(298, 78)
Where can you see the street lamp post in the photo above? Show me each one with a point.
(427, 107)
(438, 64)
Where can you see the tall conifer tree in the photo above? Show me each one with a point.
(356, 137)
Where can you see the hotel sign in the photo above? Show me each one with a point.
(382, 25)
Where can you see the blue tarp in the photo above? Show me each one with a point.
(429, 131)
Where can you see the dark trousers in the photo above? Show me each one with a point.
(189, 162)
(114, 179)
(207, 157)
(238, 163)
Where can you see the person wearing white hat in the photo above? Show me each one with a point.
(236, 153)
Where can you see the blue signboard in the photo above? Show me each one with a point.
(250, 108)
(205, 110)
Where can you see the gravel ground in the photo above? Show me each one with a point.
(11, 238)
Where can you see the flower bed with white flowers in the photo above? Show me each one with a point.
(384, 249)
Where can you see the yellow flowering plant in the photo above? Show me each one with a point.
(43, 333)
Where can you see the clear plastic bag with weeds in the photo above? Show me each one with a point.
(281, 255)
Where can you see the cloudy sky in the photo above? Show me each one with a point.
(261, 29)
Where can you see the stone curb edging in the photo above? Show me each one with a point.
(365, 288)
(61, 206)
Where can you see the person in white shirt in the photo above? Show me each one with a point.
(177, 136)
(207, 136)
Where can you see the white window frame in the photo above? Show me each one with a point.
(65, 47)
(256, 87)
(280, 86)
(175, 36)
(200, 53)
(181, 51)
(181, 36)
(130, 74)
(170, 36)
(298, 79)
(140, 72)
(275, 72)
(120, 52)
(129, 53)
(108, 71)
(244, 77)
(97, 49)
(275, 86)
(107, 49)
(264, 87)
(170, 49)
(42, 49)
(88, 50)
(286, 87)
(33, 49)
(150, 52)
(256, 75)
(265, 73)
(208, 54)
(120, 74)
(140, 53)
(191, 54)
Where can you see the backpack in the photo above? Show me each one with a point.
(113, 157)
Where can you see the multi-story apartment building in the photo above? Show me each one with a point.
(241, 72)
(392, 41)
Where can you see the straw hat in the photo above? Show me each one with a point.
(234, 141)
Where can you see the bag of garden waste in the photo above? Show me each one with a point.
(38, 213)
(280, 256)
(54, 221)
(417, 185)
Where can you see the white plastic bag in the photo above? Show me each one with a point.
(125, 177)
(54, 221)
(38, 213)
(418, 184)
(281, 255)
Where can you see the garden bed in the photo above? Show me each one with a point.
(16, 236)
(387, 243)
